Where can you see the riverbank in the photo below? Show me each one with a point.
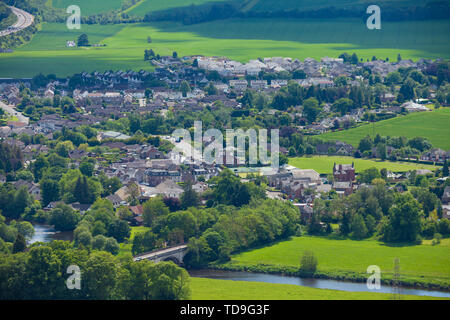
(213, 289)
(421, 266)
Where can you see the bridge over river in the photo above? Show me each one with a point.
(175, 254)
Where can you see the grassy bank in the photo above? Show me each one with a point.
(423, 265)
(324, 164)
(211, 289)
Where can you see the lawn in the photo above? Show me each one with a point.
(434, 125)
(425, 263)
(324, 164)
(212, 289)
(89, 7)
(240, 39)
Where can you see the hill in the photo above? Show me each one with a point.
(89, 7)
(431, 125)
(240, 39)
(146, 6)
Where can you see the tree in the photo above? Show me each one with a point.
(311, 109)
(185, 88)
(368, 175)
(100, 276)
(49, 191)
(354, 59)
(359, 229)
(83, 40)
(152, 209)
(308, 264)
(144, 242)
(119, 229)
(64, 218)
(445, 171)
(20, 243)
(343, 105)
(189, 198)
(403, 223)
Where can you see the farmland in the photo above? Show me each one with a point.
(89, 7)
(324, 164)
(208, 289)
(431, 125)
(146, 6)
(237, 39)
(425, 263)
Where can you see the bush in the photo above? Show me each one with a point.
(308, 264)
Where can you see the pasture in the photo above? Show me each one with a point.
(212, 289)
(336, 257)
(237, 39)
(146, 6)
(89, 7)
(324, 164)
(434, 126)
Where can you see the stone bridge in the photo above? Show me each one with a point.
(175, 254)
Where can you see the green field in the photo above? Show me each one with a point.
(146, 6)
(238, 39)
(212, 289)
(89, 7)
(434, 126)
(424, 263)
(324, 164)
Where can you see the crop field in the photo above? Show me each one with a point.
(89, 7)
(212, 289)
(434, 126)
(324, 164)
(237, 39)
(424, 262)
(146, 6)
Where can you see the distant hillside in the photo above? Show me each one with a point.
(276, 5)
(392, 10)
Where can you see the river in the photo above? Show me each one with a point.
(45, 233)
(309, 282)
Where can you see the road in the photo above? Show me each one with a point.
(24, 20)
(12, 112)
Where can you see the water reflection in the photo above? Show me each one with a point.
(45, 233)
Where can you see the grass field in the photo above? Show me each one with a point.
(89, 7)
(417, 262)
(324, 164)
(238, 39)
(146, 6)
(433, 125)
(212, 289)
